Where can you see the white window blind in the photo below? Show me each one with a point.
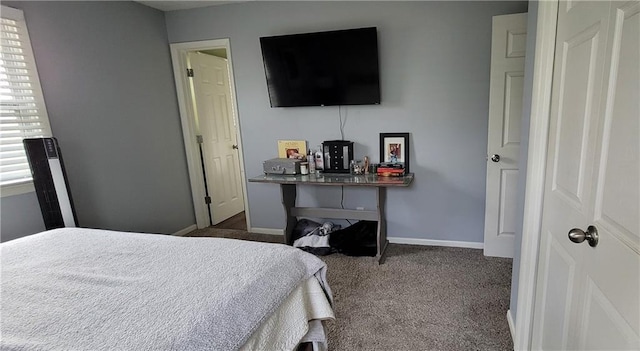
(22, 109)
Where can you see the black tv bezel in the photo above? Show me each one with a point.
(375, 101)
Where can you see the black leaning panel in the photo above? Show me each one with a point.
(43, 182)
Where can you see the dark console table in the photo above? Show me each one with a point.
(288, 184)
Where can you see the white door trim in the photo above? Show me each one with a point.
(187, 118)
(536, 167)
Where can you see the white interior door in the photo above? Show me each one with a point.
(588, 298)
(216, 122)
(508, 43)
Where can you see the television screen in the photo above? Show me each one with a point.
(322, 69)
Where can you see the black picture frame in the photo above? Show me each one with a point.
(390, 141)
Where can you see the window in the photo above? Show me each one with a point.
(22, 109)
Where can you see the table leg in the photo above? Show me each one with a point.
(382, 224)
(288, 202)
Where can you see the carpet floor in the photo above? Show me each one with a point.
(421, 298)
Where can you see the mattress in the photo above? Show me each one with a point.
(76, 288)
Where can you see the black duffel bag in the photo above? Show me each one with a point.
(358, 239)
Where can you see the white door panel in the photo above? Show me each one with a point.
(508, 202)
(593, 178)
(601, 316)
(578, 58)
(558, 290)
(505, 116)
(514, 83)
(615, 266)
(577, 68)
(216, 123)
(516, 36)
(618, 189)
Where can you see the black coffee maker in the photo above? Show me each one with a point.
(337, 156)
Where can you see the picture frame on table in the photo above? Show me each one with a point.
(292, 149)
(394, 148)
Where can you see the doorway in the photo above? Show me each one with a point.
(205, 87)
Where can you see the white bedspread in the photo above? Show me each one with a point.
(297, 319)
(84, 289)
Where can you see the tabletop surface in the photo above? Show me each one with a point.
(371, 180)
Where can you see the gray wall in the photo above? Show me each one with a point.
(106, 74)
(434, 64)
(19, 216)
(532, 19)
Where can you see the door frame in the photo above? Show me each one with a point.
(536, 169)
(187, 118)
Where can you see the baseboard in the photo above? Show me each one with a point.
(393, 240)
(432, 242)
(511, 326)
(185, 231)
(271, 231)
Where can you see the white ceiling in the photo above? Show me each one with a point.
(183, 5)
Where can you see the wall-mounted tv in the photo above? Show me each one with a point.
(323, 68)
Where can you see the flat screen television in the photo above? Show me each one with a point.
(323, 68)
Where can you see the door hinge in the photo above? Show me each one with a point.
(189, 72)
(199, 139)
(207, 200)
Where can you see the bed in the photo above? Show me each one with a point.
(88, 289)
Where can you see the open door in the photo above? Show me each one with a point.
(228, 189)
(508, 43)
(588, 280)
(216, 127)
